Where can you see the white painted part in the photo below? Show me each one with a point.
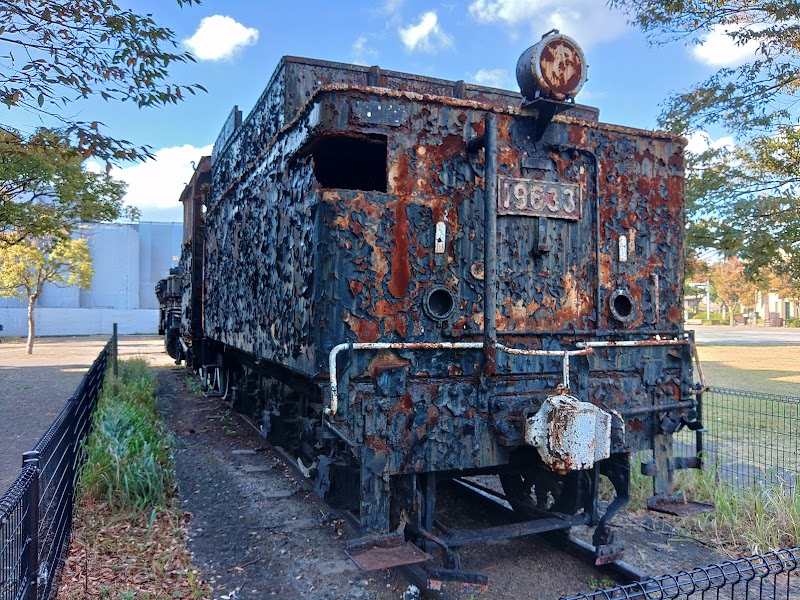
(78, 321)
(570, 435)
(633, 343)
(334, 406)
(623, 249)
(440, 237)
(564, 354)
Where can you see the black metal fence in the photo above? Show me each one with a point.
(752, 438)
(36, 512)
(767, 576)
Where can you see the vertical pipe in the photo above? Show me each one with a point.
(490, 246)
(116, 350)
(430, 500)
(597, 292)
(699, 433)
(32, 524)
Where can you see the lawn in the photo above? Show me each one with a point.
(753, 438)
(767, 369)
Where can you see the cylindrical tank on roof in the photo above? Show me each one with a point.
(554, 68)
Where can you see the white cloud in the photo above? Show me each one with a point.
(719, 49)
(587, 21)
(391, 7)
(361, 53)
(499, 78)
(425, 36)
(700, 141)
(220, 38)
(155, 186)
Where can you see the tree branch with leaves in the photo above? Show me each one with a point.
(744, 200)
(55, 53)
(45, 190)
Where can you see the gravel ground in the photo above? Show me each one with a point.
(254, 534)
(34, 388)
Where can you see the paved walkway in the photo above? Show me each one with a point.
(34, 389)
(744, 335)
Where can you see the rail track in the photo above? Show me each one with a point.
(478, 499)
(236, 486)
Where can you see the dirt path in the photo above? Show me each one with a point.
(34, 388)
(253, 533)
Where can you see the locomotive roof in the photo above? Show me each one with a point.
(296, 81)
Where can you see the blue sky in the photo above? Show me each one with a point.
(239, 42)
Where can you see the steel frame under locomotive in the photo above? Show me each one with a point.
(340, 290)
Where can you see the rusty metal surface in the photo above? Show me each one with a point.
(380, 557)
(555, 67)
(679, 508)
(190, 265)
(350, 207)
(512, 530)
(468, 583)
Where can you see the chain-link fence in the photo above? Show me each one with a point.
(768, 576)
(752, 438)
(36, 512)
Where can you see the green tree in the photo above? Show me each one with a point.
(731, 286)
(25, 268)
(55, 53)
(743, 200)
(45, 189)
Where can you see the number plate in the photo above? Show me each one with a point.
(533, 198)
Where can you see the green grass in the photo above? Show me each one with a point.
(768, 369)
(747, 519)
(129, 462)
(750, 519)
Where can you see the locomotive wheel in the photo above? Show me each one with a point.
(202, 373)
(542, 491)
(216, 381)
(533, 489)
(172, 345)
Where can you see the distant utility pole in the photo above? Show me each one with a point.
(705, 285)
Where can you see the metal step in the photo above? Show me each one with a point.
(678, 506)
(382, 557)
(512, 530)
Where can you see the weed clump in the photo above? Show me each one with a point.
(129, 461)
(750, 519)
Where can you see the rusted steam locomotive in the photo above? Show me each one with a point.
(402, 280)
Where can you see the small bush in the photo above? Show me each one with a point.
(129, 462)
(712, 322)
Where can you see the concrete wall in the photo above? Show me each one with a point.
(78, 321)
(128, 260)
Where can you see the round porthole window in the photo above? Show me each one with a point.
(439, 303)
(622, 306)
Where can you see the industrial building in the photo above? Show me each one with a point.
(128, 260)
